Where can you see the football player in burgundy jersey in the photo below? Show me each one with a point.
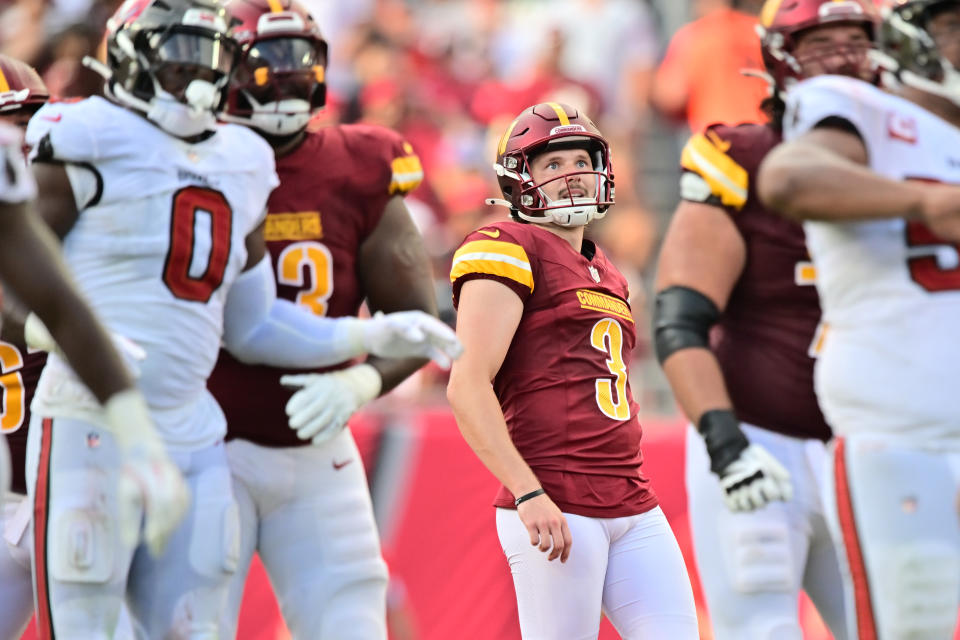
(542, 395)
(729, 265)
(339, 233)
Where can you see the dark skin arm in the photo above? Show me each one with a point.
(31, 265)
(396, 276)
(702, 250)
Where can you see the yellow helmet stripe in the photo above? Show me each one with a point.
(769, 12)
(506, 137)
(275, 6)
(4, 85)
(564, 120)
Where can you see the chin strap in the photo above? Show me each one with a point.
(498, 202)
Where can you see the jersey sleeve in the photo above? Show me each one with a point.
(16, 182)
(712, 171)
(62, 132)
(386, 165)
(813, 101)
(492, 253)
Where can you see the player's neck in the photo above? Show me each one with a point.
(284, 146)
(573, 235)
(937, 105)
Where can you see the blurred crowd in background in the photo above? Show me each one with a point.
(451, 74)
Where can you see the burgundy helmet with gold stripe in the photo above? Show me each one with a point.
(552, 125)
(21, 88)
(782, 21)
(279, 83)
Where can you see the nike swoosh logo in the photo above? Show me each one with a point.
(56, 118)
(492, 234)
(340, 465)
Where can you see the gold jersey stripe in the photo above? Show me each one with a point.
(407, 174)
(564, 120)
(275, 6)
(769, 12)
(493, 257)
(727, 179)
(4, 85)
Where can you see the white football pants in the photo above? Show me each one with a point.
(83, 570)
(629, 568)
(893, 511)
(307, 511)
(753, 564)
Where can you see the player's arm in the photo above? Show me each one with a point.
(488, 315)
(823, 175)
(396, 276)
(261, 328)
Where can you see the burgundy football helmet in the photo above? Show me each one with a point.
(279, 82)
(21, 88)
(552, 125)
(781, 21)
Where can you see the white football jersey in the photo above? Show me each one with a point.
(890, 290)
(16, 181)
(157, 244)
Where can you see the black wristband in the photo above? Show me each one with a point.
(527, 496)
(724, 439)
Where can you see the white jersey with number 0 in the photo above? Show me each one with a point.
(157, 244)
(890, 289)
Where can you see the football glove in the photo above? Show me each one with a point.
(749, 476)
(16, 181)
(325, 401)
(410, 334)
(152, 492)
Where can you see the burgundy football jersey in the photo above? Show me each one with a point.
(563, 385)
(767, 336)
(19, 381)
(333, 190)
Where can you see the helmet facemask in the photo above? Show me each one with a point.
(175, 75)
(280, 81)
(529, 200)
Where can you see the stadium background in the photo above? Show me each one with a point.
(449, 75)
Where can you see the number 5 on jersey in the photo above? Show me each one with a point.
(607, 336)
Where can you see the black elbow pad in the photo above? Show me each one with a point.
(682, 318)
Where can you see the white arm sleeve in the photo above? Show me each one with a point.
(260, 328)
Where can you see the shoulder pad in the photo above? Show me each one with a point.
(711, 172)
(379, 146)
(493, 251)
(812, 101)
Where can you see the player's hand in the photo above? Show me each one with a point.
(940, 210)
(547, 527)
(749, 476)
(754, 480)
(151, 489)
(16, 181)
(407, 334)
(325, 401)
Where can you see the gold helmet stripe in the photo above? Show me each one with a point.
(564, 120)
(4, 85)
(769, 12)
(275, 6)
(502, 147)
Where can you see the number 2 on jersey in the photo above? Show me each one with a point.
(193, 250)
(607, 336)
(318, 261)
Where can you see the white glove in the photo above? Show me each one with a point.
(408, 334)
(152, 490)
(754, 479)
(16, 181)
(325, 401)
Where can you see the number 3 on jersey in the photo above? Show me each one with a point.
(318, 261)
(607, 336)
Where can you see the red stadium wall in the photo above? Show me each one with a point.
(442, 544)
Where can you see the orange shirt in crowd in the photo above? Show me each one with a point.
(699, 78)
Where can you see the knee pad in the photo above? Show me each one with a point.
(921, 599)
(759, 557)
(80, 546)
